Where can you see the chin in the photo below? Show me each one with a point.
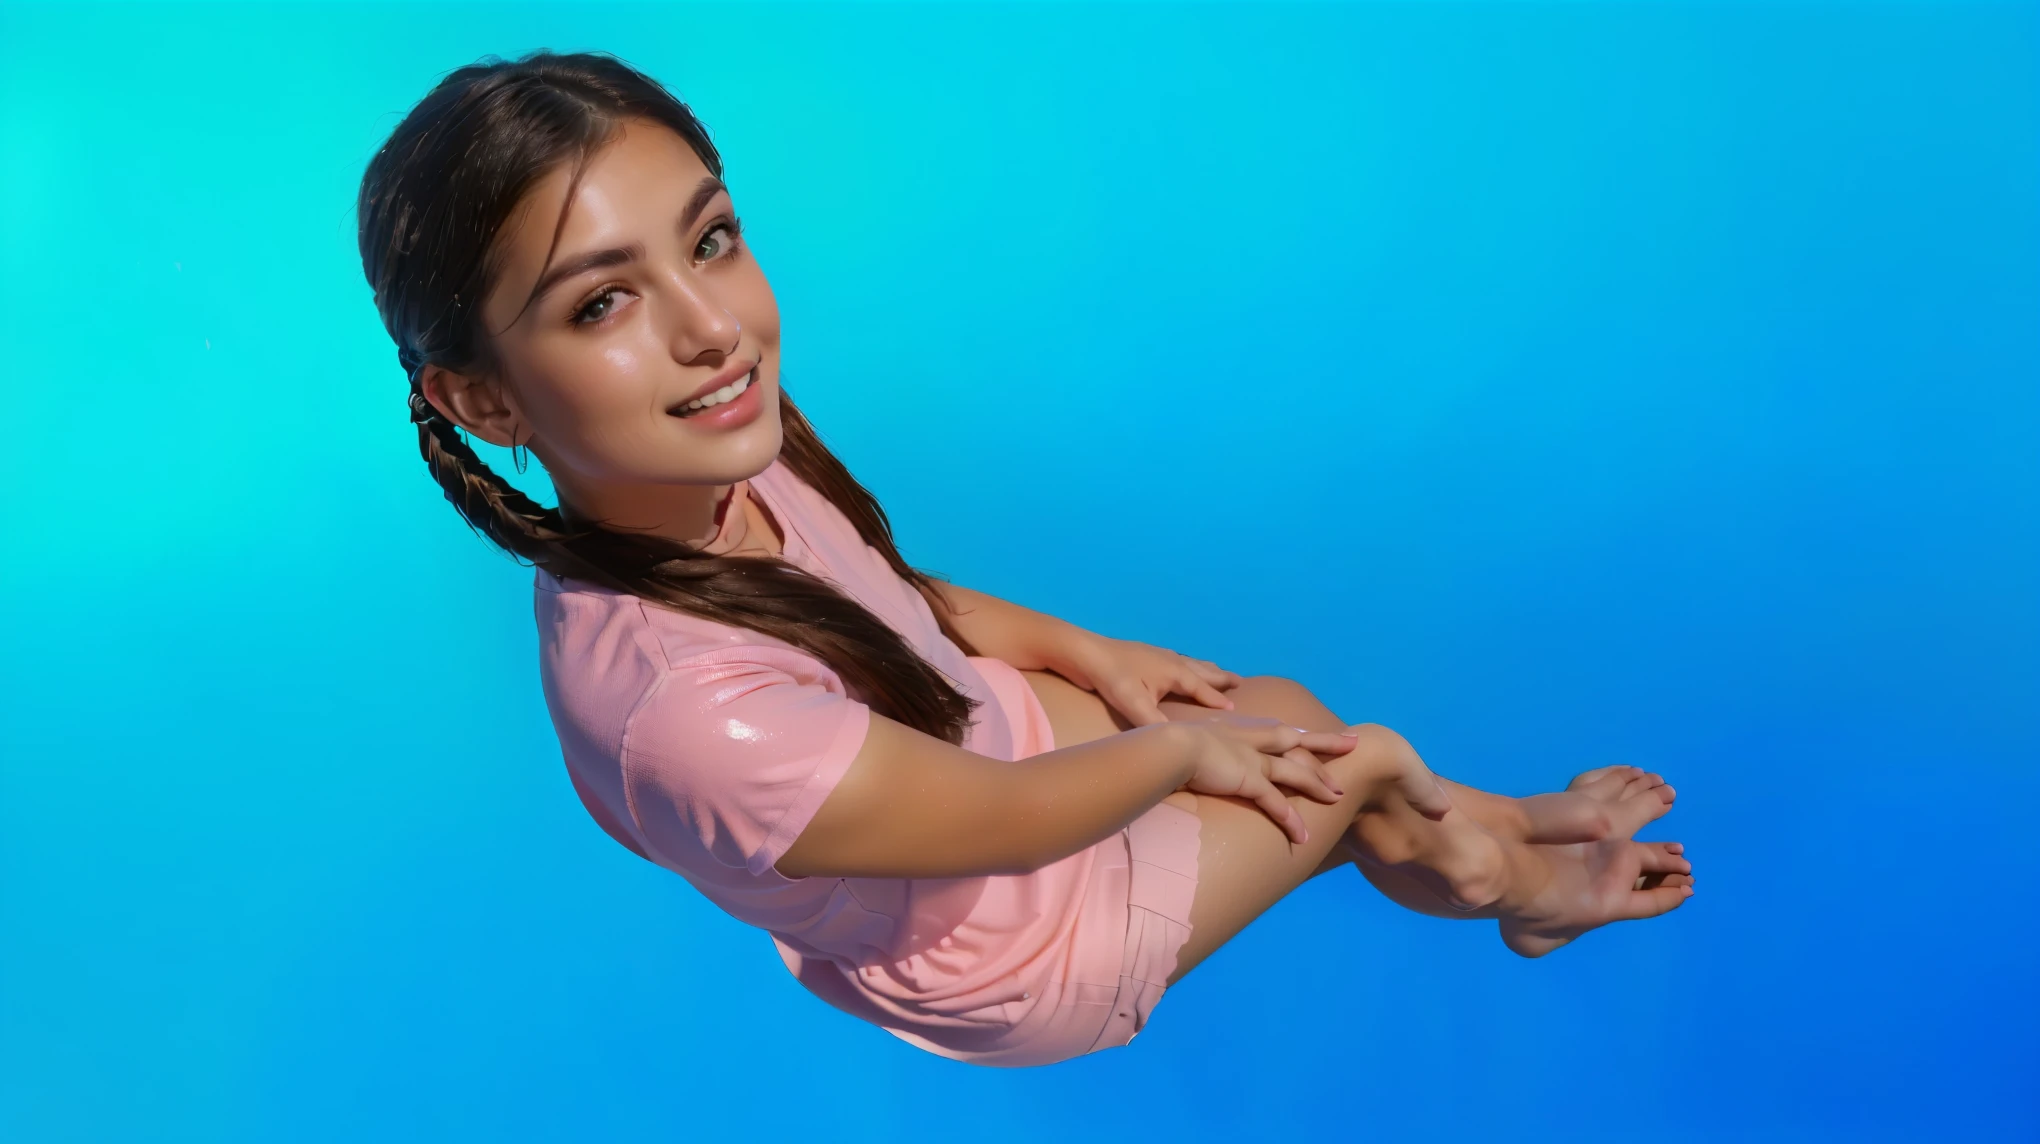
(733, 457)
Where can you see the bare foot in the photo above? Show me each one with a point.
(1608, 802)
(1454, 857)
(1561, 892)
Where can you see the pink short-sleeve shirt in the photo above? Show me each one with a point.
(707, 748)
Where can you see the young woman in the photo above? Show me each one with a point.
(990, 832)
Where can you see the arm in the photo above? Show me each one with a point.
(1132, 677)
(913, 806)
(1027, 639)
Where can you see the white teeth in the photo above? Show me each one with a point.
(726, 393)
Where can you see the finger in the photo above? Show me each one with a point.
(1276, 806)
(1323, 742)
(1305, 776)
(1274, 735)
(1204, 693)
(1323, 772)
(1138, 706)
(1216, 675)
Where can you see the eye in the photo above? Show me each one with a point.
(719, 241)
(598, 307)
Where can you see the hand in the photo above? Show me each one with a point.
(1133, 677)
(1247, 757)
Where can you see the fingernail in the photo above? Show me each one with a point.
(1349, 735)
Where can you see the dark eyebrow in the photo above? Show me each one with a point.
(708, 188)
(702, 193)
(581, 264)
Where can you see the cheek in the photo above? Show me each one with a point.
(621, 361)
(757, 309)
(582, 393)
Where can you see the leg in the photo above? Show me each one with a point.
(1605, 803)
(1608, 802)
(1549, 893)
(1246, 864)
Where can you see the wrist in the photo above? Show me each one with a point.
(1186, 745)
(1065, 648)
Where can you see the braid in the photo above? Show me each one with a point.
(765, 594)
(492, 506)
(430, 204)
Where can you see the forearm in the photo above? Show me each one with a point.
(1027, 639)
(911, 807)
(1070, 799)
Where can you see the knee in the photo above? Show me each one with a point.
(1377, 765)
(1278, 697)
(1380, 749)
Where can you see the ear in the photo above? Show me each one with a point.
(476, 404)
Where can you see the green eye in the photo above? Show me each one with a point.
(717, 242)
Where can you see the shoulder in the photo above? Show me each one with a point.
(606, 656)
(691, 741)
(715, 742)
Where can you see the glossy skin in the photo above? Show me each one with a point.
(586, 374)
(589, 374)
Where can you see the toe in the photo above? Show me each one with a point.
(1644, 806)
(1653, 881)
(1650, 903)
(1655, 858)
(1588, 778)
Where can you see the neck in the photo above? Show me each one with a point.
(684, 513)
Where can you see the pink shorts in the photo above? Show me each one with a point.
(1134, 919)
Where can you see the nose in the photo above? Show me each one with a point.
(699, 325)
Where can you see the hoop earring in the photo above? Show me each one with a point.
(519, 455)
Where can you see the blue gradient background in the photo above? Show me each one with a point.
(1560, 384)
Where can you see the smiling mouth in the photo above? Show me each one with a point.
(726, 394)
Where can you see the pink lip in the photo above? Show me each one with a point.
(730, 414)
(730, 373)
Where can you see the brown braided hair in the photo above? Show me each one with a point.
(431, 203)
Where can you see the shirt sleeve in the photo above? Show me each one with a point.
(729, 755)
